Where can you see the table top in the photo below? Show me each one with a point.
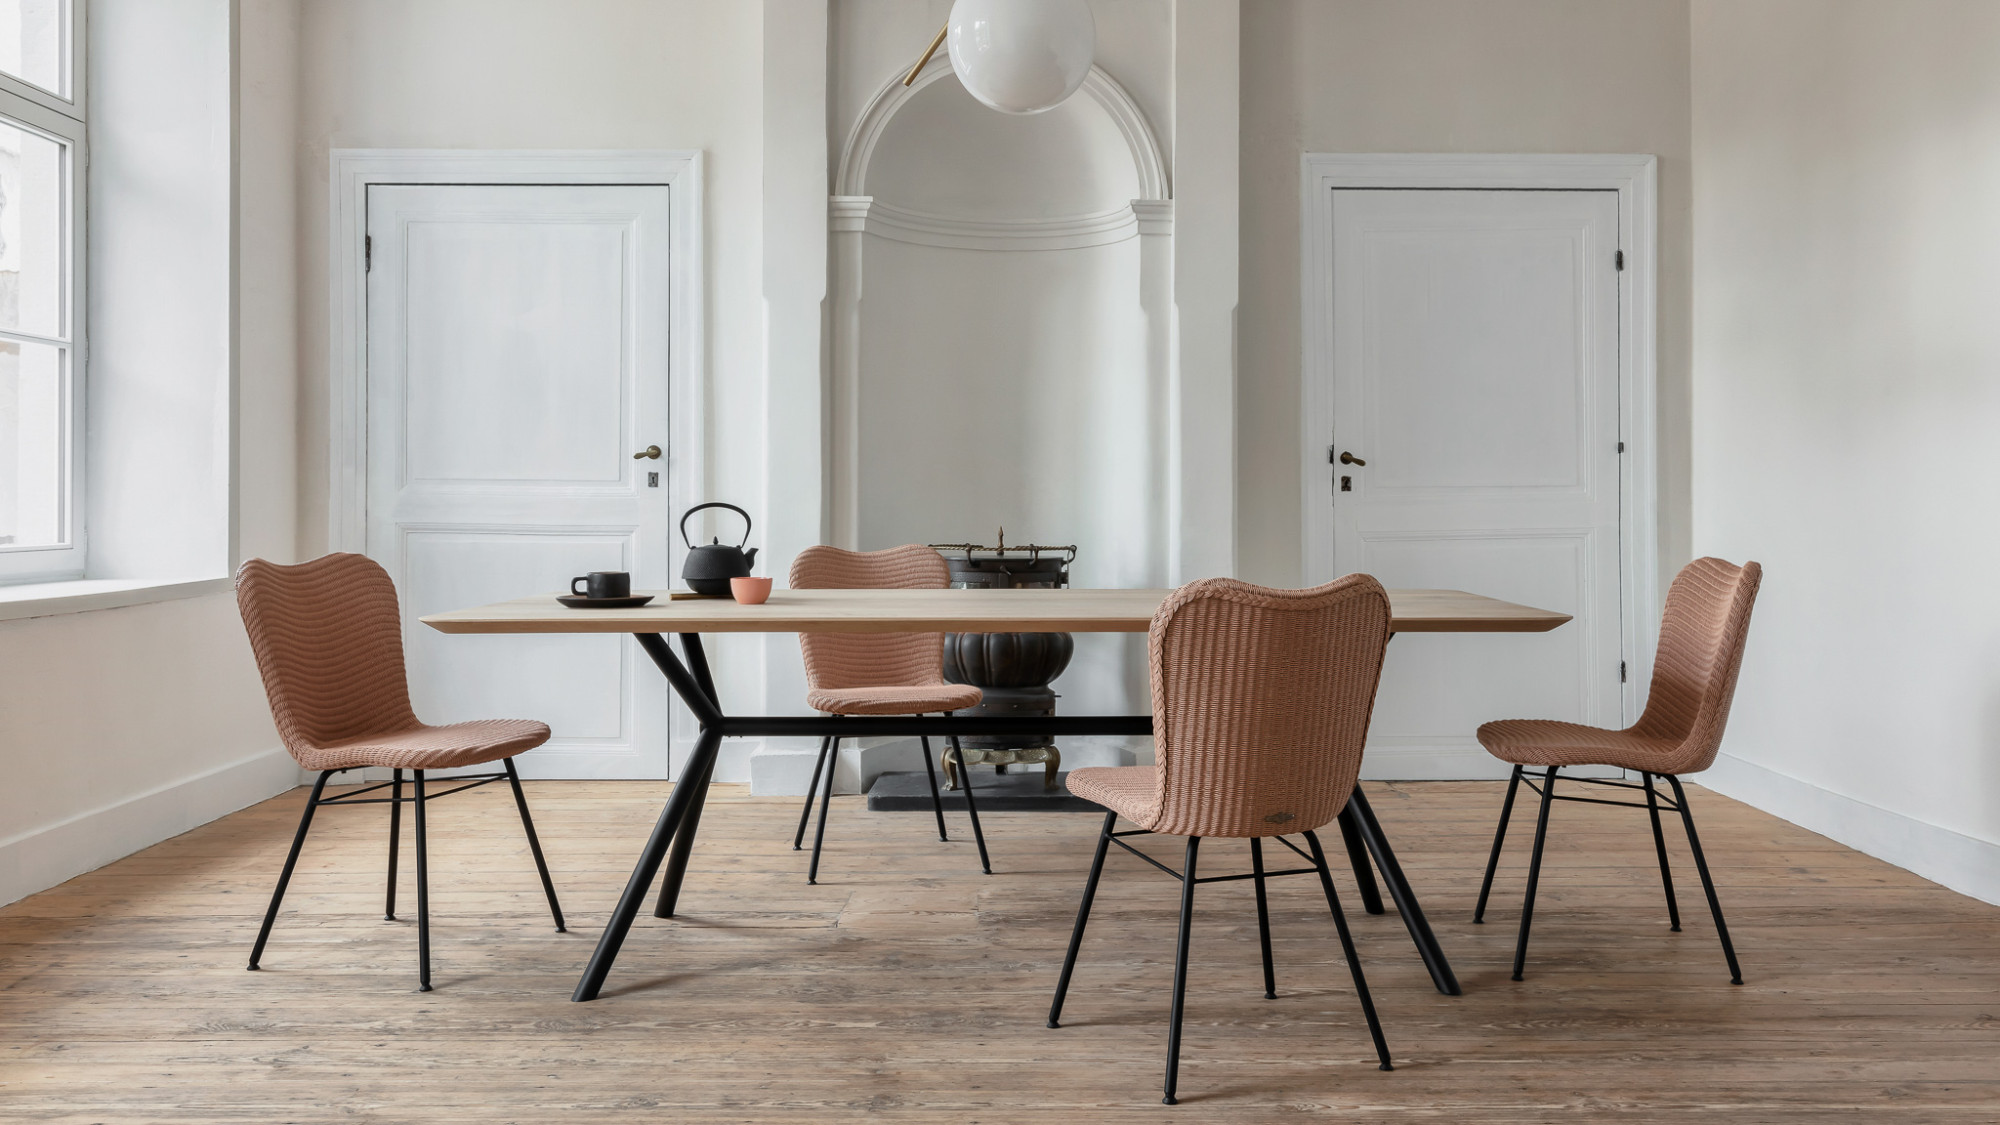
(947, 611)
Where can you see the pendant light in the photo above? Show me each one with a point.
(1018, 56)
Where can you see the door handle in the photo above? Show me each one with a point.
(1347, 458)
(652, 451)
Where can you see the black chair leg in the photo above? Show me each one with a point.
(1348, 951)
(812, 791)
(971, 808)
(1534, 871)
(1499, 838)
(1263, 918)
(423, 888)
(1660, 846)
(930, 773)
(1180, 972)
(535, 844)
(1082, 918)
(395, 832)
(1707, 884)
(285, 876)
(1357, 858)
(825, 799)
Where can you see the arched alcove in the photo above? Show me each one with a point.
(1000, 339)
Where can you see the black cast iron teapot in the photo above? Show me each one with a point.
(710, 566)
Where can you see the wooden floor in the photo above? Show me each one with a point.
(908, 987)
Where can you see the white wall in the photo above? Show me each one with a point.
(1543, 76)
(122, 727)
(1846, 401)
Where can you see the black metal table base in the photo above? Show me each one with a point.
(672, 841)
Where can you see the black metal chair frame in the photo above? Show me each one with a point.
(396, 801)
(1188, 881)
(828, 744)
(1654, 799)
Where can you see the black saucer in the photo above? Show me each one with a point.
(631, 601)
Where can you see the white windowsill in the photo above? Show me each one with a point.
(50, 599)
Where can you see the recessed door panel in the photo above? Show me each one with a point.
(578, 680)
(1480, 364)
(517, 350)
(1438, 694)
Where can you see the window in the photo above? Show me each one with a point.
(41, 173)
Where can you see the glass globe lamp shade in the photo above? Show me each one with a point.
(1021, 56)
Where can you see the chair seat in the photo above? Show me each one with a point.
(433, 748)
(1132, 792)
(1547, 742)
(919, 699)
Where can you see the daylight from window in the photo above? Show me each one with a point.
(31, 42)
(34, 385)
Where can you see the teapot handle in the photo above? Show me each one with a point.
(714, 504)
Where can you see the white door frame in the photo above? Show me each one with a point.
(1636, 180)
(354, 169)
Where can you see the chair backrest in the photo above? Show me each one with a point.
(845, 660)
(329, 643)
(1261, 702)
(1702, 633)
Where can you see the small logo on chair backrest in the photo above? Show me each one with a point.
(1279, 818)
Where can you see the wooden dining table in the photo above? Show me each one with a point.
(930, 611)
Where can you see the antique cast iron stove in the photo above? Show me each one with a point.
(1011, 670)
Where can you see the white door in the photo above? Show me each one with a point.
(517, 358)
(1476, 360)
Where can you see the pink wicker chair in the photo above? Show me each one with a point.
(878, 673)
(1702, 635)
(329, 643)
(1261, 702)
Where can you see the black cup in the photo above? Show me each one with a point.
(603, 584)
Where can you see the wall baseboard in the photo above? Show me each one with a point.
(43, 857)
(1965, 864)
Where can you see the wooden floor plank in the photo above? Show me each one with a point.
(910, 987)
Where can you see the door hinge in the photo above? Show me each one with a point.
(1621, 671)
(1621, 447)
(1620, 260)
(367, 253)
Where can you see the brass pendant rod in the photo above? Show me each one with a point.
(932, 50)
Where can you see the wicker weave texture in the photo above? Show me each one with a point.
(329, 644)
(877, 673)
(1702, 636)
(1261, 703)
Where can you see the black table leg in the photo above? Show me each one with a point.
(677, 860)
(1357, 858)
(1405, 898)
(686, 795)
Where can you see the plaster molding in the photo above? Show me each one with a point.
(852, 179)
(921, 228)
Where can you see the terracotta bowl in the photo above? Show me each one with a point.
(750, 591)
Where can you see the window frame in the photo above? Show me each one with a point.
(32, 109)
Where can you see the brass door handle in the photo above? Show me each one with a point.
(652, 451)
(1347, 458)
